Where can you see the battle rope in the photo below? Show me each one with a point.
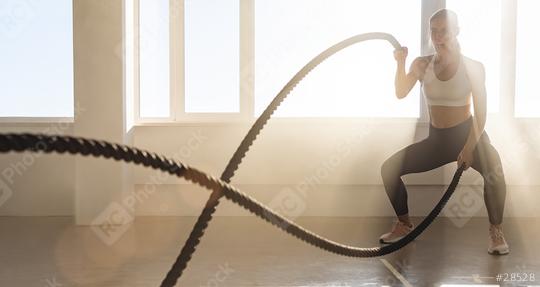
(76, 145)
(91, 147)
(213, 201)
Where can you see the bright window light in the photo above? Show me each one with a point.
(480, 39)
(356, 82)
(154, 88)
(212, 56)
(527, 99)
(36, 58)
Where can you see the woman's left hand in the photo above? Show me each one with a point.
(465, 157)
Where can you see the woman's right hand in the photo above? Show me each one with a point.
(400, 54)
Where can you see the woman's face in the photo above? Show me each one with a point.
(443, 36)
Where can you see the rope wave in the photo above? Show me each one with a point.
(13, 142)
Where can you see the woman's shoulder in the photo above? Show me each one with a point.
(424, 59)
(421, 62)
(472, 63)
(474, 67)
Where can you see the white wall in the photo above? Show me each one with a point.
(285, 157)
(40, 184)
(343, 158)
(99, 82)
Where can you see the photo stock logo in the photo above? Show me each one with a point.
(116, 219)
(5, 192)
(15, 17)
(466, 202)
(112, 223)
(14, 171)
(288, 203)
(291, 202)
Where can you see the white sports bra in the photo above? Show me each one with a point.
(456, 91)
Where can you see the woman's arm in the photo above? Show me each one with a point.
(404, 82)
(476, 73)
(477, 79)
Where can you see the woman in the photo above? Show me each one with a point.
(449, 81)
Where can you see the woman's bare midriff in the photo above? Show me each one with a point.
(446, 116)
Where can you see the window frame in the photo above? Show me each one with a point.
(247, 70)
(177, 82)
(36, 120)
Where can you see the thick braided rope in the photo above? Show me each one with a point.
(30, 142)
(95, 148)
(213, 201)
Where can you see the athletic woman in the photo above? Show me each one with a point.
(450, 82)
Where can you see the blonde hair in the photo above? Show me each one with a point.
(447, 14)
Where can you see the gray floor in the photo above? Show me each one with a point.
(244, 251)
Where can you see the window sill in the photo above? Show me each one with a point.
(284, 121)
(34, 121)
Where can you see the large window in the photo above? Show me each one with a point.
(212, 48)
(480, 39)
(527, 96)
(36, 58)
(154, 87)
(358, 81)
(190, 65)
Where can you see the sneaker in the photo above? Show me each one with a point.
(497, 244)
(399, 231)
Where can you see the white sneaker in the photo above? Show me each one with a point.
(497, 243)
(399, 230)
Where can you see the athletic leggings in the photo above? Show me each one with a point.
(443, 146)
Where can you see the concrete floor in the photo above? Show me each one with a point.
(244, 251)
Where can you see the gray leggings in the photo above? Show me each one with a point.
(443, 146)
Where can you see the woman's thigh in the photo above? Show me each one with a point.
(421, 156)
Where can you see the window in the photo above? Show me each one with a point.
(527, 101)
(212, 60)
(199, 52)
(480, 39)
(154, 76)
(358, 81)
(36, 62)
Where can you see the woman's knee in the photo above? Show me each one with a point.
(488, 162)
(490, 166)
(389, 168)
(494, 176)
